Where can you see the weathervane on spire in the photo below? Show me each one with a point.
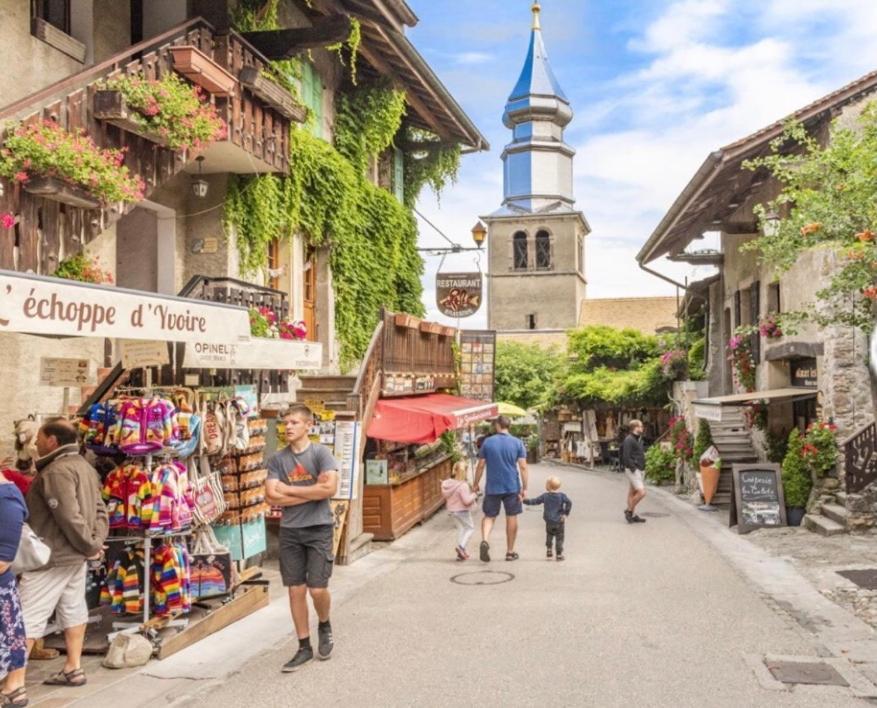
(537, 8)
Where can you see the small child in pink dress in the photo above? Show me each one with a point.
(460, 499)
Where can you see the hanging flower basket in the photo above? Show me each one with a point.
(199, 68)
(68, 167)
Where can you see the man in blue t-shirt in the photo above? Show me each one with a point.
(506, 486)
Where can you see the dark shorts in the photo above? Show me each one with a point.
(306, 556)
(511, 503)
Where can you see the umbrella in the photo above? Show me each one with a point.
(510, 410)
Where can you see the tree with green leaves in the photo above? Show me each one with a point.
(526, 374)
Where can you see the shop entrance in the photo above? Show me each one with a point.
(309, 299)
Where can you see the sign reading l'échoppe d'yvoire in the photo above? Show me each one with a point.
(757, 497)
(458, 294)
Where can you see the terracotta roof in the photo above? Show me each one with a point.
(721, 177)
(644, 314)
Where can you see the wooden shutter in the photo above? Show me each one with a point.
(755, 312)
(398, 174)
(737, 309)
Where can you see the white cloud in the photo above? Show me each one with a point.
(469, 58)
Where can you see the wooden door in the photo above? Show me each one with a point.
(309, 299)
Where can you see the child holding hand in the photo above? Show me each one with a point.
(557, 508)
(460, 499)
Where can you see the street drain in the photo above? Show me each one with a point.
(483, 577)
(812, 673)
(865, 579)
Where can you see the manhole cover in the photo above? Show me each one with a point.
(815, 673)
(654, 514)
(866, 579)
(482, 577)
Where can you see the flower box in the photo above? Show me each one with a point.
(405, 320)
(60, 191)
(431, 328)
(199, 68)
(272, 93)
(111, 107)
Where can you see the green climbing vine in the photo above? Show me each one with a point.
(428, 161)
(366, 122)
(261, 15)
(353, 42)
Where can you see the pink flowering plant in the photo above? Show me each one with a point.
(7, 220)
(265, 323)
(740, 355)
(769, 327)
(46, 149)
(83, 269)
(674, 364)
(171, 108)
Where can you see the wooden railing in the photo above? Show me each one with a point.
(48, 230)
(860, 459)
(367, 389)
(419, 348)
(231, 291)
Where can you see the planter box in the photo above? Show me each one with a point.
(403, 320)
(431, 328)
(199, 68)
(448, 331)
(110, 107)
(273, 94)
(60, 191)
(61, 41)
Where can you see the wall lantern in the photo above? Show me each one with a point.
(479, 233)
(200, 186)
(770, 223)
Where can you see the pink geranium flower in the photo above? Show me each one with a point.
(7, 220)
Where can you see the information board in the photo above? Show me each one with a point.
(64, 372)
(477, 364)
(757, 497)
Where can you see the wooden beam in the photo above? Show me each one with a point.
(413, 100)
(738, 228)
(286, 43)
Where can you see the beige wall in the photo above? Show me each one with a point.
(546, 340)
(554, 296)
(112, 28)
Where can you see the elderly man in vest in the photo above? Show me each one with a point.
(67, 512)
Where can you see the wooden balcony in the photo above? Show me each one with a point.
(258, 133)
(418, 356)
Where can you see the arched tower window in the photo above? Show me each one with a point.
(519, 243)
(543, 250)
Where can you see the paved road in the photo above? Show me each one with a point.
(645, 615)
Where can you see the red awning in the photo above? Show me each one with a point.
(421, 419)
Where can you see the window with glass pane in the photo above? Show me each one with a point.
(543, 250)
(55, 12)
(519, 241)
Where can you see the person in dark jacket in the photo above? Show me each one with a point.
(633, 462)
(557, 507)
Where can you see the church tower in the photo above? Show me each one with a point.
(536, 239)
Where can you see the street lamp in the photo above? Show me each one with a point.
(200, 186)
(479, 233)
(770, 223)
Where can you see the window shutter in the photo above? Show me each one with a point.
(755, 311)
(737, 309)
(398, 174)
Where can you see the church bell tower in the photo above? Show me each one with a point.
(536, 240)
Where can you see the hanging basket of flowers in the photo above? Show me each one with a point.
(68, 167)
(265, 323)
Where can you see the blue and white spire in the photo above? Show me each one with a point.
(537, 163)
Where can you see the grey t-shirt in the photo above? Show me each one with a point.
(300, 470)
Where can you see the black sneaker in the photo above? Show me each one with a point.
(326, 642)
(550, 554)
(628, 515)
(303, 656)
(484, 551)
(637, 519)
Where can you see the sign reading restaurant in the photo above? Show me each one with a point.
(458, 294)
(34, 304)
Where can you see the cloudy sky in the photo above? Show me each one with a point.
(655, 85)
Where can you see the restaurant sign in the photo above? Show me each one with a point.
(52, 306)
(271, 354)
(458, 294)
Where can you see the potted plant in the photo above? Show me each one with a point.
(199, 68)
(533, 449)
(84, 269)
(797, 482)
(820, 448)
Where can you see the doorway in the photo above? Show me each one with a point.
(309, 298)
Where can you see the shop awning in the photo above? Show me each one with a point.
(711, 408)
(421, 419)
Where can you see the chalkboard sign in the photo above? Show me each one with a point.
(757, 497)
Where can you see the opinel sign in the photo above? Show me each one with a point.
(458, 294)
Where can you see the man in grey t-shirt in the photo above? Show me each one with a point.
(302, 477)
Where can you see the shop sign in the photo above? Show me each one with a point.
(402, 384)
(137, 354)
(756, 497)
(804, 373)
(272, 354)
(64, 372)
(458, 294)
(376, 472)
(705, 411)
(40, 305)
(477, 361)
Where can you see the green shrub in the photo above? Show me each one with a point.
(660, 464)
(697, 360)
(702, 442)
(777, 446)
(796, 477)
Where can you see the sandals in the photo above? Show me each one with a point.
(512, 556)
(67, 678)
(17, 698)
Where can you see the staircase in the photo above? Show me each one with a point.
(832, 518)
(731, 438)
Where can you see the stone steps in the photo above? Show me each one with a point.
(836, 513)
(823, 525)
(841, 498)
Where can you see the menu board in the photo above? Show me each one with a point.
(757, 497)
(341, 437)
(477, 364)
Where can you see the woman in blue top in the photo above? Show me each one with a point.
(13, 644)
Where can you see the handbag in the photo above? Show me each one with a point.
(32, 552)
(209, 501)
